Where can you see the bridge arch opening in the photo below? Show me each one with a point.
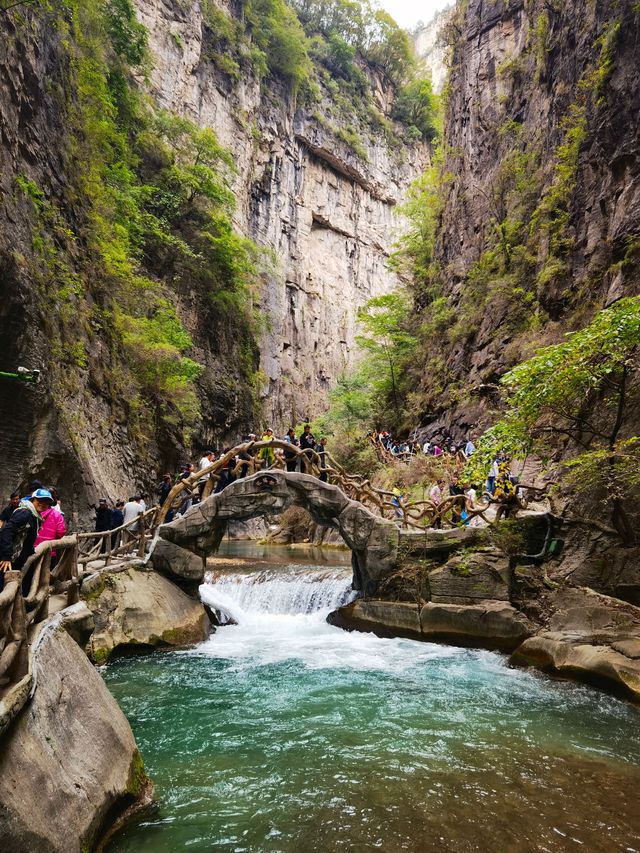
(373, 540)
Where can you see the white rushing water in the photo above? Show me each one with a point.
(282, 616)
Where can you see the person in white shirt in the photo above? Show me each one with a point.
(132, 511)
(206, 460)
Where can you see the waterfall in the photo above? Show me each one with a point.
(298, 591)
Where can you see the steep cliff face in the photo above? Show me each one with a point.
(431, 48)
(540, 189)
(320, 198)
(327, 211)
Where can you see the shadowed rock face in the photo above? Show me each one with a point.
(373, 540)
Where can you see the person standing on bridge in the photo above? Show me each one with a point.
(268, 454)
(307, 444)
(290, 456)
(53, 527)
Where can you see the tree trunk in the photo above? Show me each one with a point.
(622, 523)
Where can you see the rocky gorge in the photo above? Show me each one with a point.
(316, 188)
(187, 263)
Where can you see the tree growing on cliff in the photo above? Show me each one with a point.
(573, 404)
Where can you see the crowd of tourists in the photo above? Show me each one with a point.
(308, 450)
(27, 521)
(435, 446)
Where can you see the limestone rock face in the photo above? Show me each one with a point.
(518, 71)
(142, 608)
(326, 213)
(68, 759)
(590, 637)
(490, 625)
(329, 213)
(467, 579)
(385, 618)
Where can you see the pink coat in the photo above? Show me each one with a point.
(52, 527)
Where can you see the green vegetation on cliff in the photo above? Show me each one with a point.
(149, 204)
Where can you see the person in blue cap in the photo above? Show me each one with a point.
(18, 535)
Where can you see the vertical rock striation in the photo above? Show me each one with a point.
(541, 200)
(327, 212)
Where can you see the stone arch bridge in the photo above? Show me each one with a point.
(183, 544)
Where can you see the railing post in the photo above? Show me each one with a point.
(142, 542)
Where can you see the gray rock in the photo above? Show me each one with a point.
(141, 608)
(468, 578)
(489, 625)
(175, 562)
(385, 618)
(69, 760)
(439, 543)
(373, 540)
(590, 637)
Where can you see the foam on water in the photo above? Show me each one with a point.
(282, 616)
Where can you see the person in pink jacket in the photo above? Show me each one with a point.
(53, 527)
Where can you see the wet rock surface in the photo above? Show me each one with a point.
(590, 637)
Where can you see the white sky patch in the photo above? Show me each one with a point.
(408, 12)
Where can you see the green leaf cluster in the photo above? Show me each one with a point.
(154, 194)
(576, 398)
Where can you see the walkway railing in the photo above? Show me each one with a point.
(251, 457)
(20, 610)
(107, 545)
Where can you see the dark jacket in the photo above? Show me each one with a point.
(104, 519)
(307, 441)
(117, 519)
(163, 492)
(17, 537)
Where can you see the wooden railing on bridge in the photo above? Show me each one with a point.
(77, 556)
(18, 610)
(251, 457)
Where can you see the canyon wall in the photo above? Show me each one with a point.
(327, 212)
(540, 190)
(316, 188)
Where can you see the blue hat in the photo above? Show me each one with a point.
(41, 494)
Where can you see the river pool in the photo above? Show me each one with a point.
(283, 733)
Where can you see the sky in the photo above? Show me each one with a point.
(408, 12)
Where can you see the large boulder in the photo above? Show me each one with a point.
(590, 637)
(470, 577)
(69, 761)
(487, 625)
(384, 618)
(177, 563)
(141, 609)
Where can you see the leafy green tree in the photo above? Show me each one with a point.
(417, 107)
(388, 345)
(575, 400)
(389, 47)
(277, 31)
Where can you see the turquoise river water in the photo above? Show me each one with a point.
(282, 733)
